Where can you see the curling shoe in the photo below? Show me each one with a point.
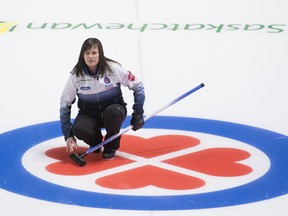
(109, 155)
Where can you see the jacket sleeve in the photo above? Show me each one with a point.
(139, 98)
(129, 80)
(67, 99)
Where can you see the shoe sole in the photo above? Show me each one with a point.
(108, 158)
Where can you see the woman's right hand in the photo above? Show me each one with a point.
(70, 144)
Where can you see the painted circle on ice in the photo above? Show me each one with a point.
(15, 178)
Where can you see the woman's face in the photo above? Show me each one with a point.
(91, 58)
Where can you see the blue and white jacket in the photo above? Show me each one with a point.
(96, 93)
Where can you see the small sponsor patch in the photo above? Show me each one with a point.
(107, 80)
(85, 88)
(131, 77)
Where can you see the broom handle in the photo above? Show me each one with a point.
(145, 119)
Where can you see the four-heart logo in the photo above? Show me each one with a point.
(155, 162)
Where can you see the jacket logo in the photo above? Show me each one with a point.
(107, 80)
(85, 88)
(131, 77)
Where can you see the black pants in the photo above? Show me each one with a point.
(87, 126)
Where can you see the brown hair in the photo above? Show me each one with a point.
(103, 61)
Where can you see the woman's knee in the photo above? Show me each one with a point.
(115, 112)
(84, 125)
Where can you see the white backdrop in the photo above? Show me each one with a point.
(244, 71)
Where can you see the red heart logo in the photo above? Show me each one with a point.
(150, 175)
(95, 163)
(215, 161)
(156, 146)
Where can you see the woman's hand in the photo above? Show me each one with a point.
(137, 121)
(71, 143)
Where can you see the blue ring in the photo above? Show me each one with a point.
(15, 178)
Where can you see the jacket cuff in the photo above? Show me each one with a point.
(138, 110)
